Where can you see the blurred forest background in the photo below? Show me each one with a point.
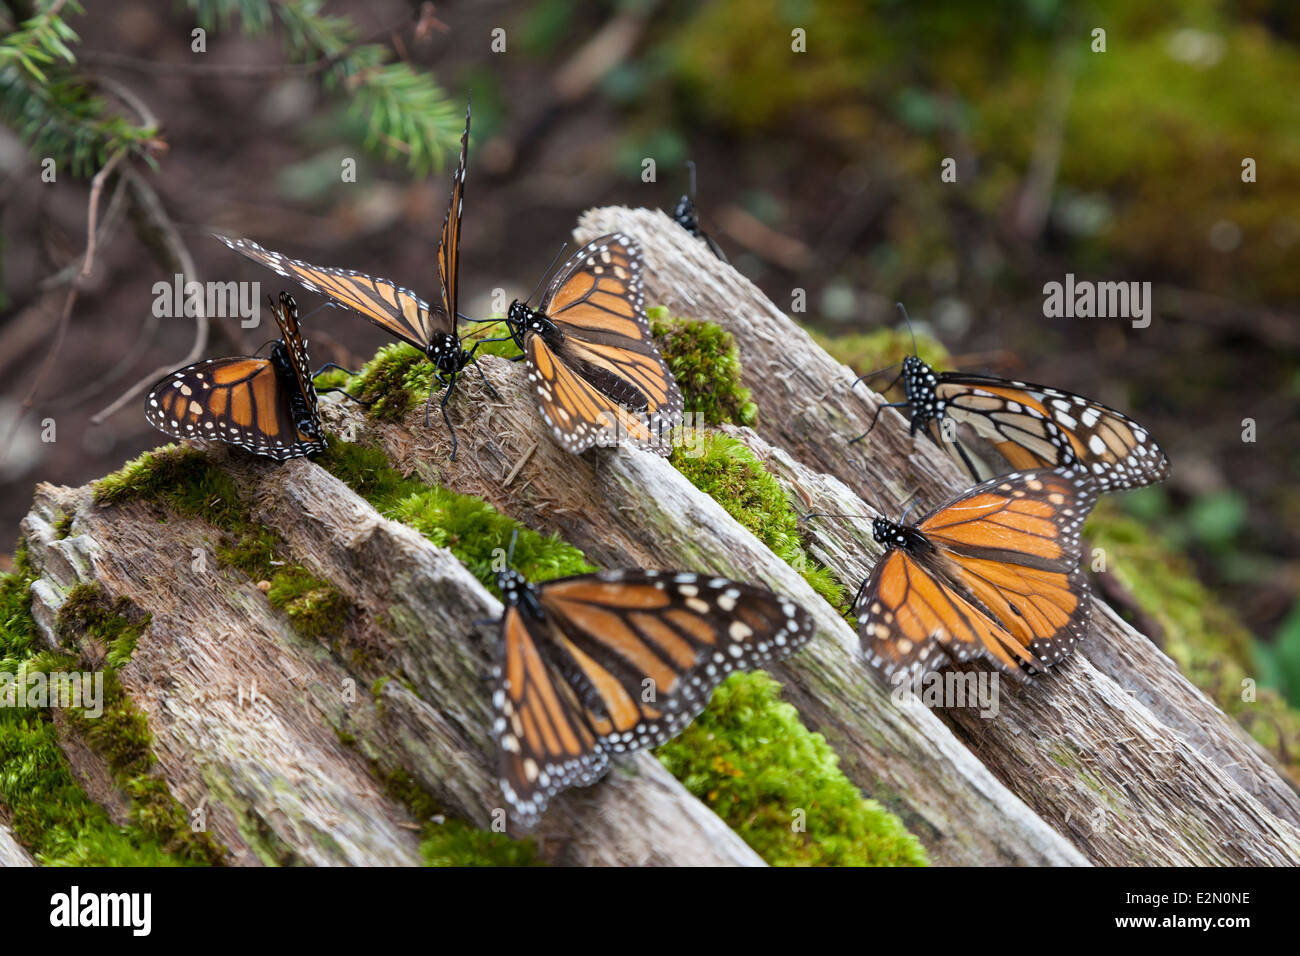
(817, 171)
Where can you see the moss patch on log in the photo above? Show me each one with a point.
(452, 842)
(51, 814)
(728, 471)
(739, 757)
(185, 482)
(706, 363)
(474, 531)
(868, 351)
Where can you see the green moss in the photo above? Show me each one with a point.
(390, 381)
(879, 349)
(252, 551)
(778, 785)
(185, 482)
(474, 531)
(49, 811)
(1211, 647)
(451, 842)
(727, 470)
(706, 363)
(316, 608)
(63, 527)
(111, 629)
(457, 843)
(181, 479)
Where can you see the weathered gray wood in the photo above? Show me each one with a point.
(627, 508)
(11, 854)
(810, 412)
(278, 760)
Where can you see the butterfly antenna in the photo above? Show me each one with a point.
(563, 246)
(869, 375)
(690, 165)
(908, 320)
(510, 552)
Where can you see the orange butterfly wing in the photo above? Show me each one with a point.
(449, 243)
(577, 413)
(622, 661)
(597, 302)
(396, 310)
(996, 572)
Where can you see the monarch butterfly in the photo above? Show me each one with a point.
(267, 406)
(1030, 425)
(399, 311)
(595, 369)
(684, 215)
(993, 572)
(603, 664)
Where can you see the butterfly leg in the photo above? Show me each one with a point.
(329, 365)
(450, 386)
(346, 394)
(874, 418)
(858, 597)
(494, 392)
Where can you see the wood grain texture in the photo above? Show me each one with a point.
(271, 767)
(1113, 759)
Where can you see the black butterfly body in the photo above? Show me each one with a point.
(687, 216)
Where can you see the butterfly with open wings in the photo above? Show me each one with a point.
(433, 329)
(1031, 426)
(603, 664)
(992, 573)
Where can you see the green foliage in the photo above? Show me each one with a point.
(706, 363)
(50, 108)
(753, 762)
(729, 472)
(1280, 661)
(405, 111)
(1205, 640)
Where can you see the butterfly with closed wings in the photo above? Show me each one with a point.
(433, 329)
(266, 406)
(1031, 426)
(603, 664)
(597, 375)
(994, 572)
